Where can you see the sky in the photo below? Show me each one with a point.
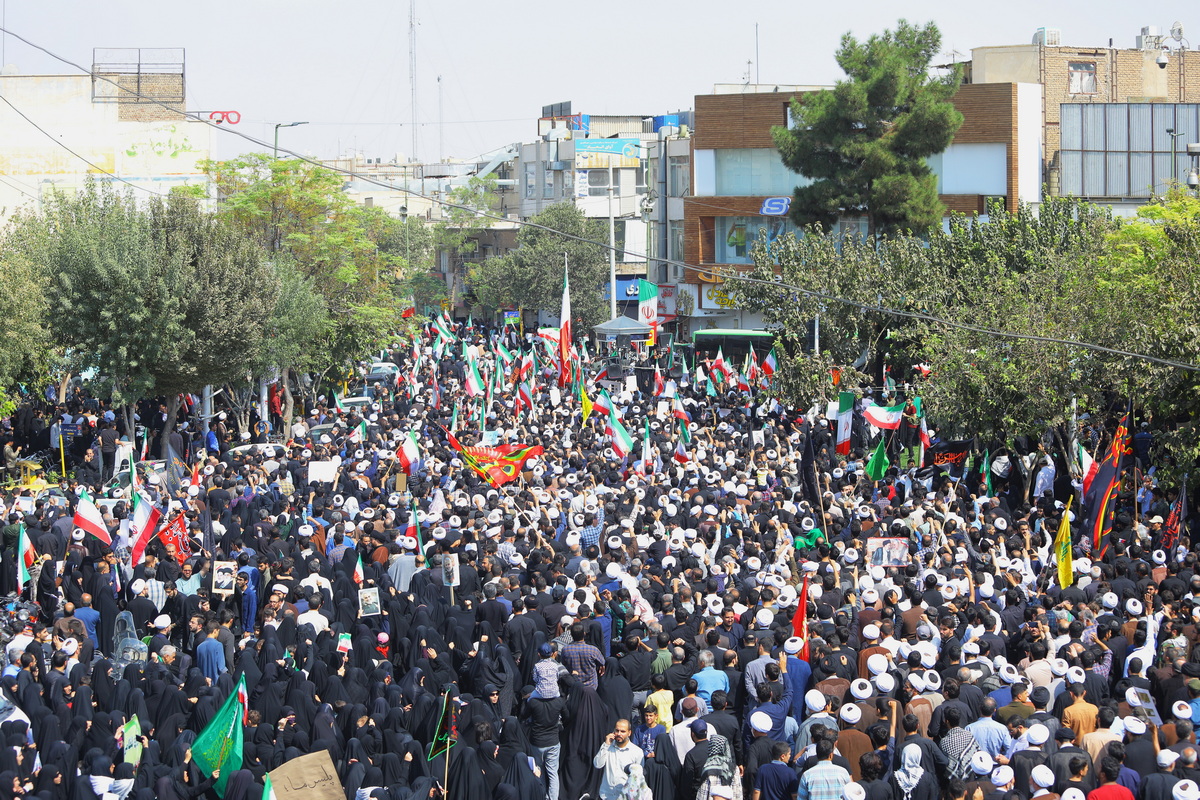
(343, 68)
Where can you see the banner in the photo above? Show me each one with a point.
(310, 777)
(951, 456)
(175, 533)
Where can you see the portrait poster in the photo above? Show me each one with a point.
(223, 573)
(368, 602)
(887, 552)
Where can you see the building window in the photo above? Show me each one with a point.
(675, 239)
(639, 178)
(598, 182)
(530, 179)
(736, 236)
(547, 181)
(679, 176)
(1082, 77)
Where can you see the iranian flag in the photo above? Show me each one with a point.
(648, 308)
(564, 330)
(525, 395)
(89, 519)
(769, 364)
(435, 395)
(268, 787)
(1088, 467)
(603, 403)
(26, 558)
(885, 417)
(800, 620)
(845, 420)
(337, 402)
(409, 454)
(719, 365)
(659, 386)
(143, 525)
(678, 411)
(414, 527)
(505, 355)
(681, 453)
(474, 386)
(621, 440)
(359, 576)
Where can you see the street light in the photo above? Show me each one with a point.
(1174, 157)
(279, 125)
(1193, 178)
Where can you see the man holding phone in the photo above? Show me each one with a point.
(614, 757)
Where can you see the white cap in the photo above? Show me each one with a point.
(933, 680)
(1184, 790)
(1072, 794)
(1059, 666)
(1109, 600)
(1042, 775)
(850, 714)
(815, 700)
(793, 645)
(1076, 675)
(1181, 710)
(1037, 733)
(854, 791)
(138, 586)
(877, 663)
(1002, 776)
(70, 646)
(885, 682)
(761, 721)
(1135, 725)
(763, 618)
(982, 763)
(1166, 758)
(871, 632)
(162, 622)
(861, 689)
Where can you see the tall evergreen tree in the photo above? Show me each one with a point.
(864, 143)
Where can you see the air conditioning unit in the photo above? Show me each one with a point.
(1048, 37)
(1150, 38)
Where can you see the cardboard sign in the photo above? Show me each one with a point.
(322, 471)
(663, 409)
(310, 777)
(631, 383)
(555, 396)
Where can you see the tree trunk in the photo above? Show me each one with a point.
(62, 387)
(289, 402)
(131, 428)
(169, 425)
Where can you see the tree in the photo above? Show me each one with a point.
(864, 143)
(24, 344)
(351, 256)
(457, 233)
(159, 298)
(531, 276)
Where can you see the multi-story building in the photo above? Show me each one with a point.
(1116, 122)
(741, 188)
(123, 124)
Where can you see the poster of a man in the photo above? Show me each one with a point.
(888, 552)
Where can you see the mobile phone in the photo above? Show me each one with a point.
(532, 763)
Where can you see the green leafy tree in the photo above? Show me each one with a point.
(351, 256)
(160, 298)
(864, 143)
(531, 276)
(25, 348)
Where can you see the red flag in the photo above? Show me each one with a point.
(1102, 494)
(175, 532)
(800, 619)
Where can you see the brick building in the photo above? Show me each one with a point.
(1106, 111)
(737, 173)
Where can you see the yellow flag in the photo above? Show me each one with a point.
(586, 402)
(1062, 549)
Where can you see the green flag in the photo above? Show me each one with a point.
(987, 471)
(219, 745)
(879, 463)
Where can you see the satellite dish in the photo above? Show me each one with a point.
(1177, 31)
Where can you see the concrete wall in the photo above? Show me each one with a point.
(144, 144)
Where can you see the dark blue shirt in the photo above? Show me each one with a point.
(776, 781)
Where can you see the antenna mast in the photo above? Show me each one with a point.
(412, 73)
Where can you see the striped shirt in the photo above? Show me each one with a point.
(824, 781)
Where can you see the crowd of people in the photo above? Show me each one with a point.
(746, 615)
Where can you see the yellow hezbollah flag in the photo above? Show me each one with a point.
(586, 402)
(1062, 549)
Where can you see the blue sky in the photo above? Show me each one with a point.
(343, 67)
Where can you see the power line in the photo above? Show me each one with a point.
(51, 137)
(712, 271)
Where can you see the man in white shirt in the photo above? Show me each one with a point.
(314, 616)
(614, 756)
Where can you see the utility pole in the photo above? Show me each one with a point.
(412, 73)
(279, 125)
(612, 245)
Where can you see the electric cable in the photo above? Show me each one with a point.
(709, 270)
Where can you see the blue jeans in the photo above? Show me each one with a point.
(549, 759)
